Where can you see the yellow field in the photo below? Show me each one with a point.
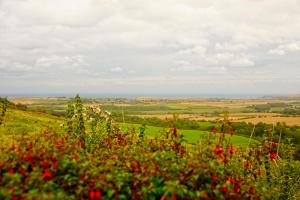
(272, 120)
(269, 118)
(233, 103)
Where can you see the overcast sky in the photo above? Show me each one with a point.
(150, 46)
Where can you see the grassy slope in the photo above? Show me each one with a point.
(19, 122)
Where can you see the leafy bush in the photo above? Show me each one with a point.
(125, 166)
(111, 163)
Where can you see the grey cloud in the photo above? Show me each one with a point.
(142, 43)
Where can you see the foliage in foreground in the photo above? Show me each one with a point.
(108, 163)
(122, 165)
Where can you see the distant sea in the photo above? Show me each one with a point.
(135, 95)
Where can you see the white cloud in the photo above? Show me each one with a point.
(116, 69)
(230, 47)
(276, 51)
(285, 48)
(131, 71)
(242, 61)
(198, 51)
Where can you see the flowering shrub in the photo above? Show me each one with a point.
(95, 159)
(125, 166)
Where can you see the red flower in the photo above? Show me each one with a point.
(214, 177)
(214, 130)
(231, 132)
(223, 135)
(120, 138)
(273, 155)
(1, 164)
(22, 171)
(52, 158)
(13, 147)
(92, 194)
(223, 189)
(218, 150)
(251, 191)
(10, 171)
(225, 160)
(30, 146)
(46, 175)
(230, 180)
(44, 164)
(274, 145)
(231, 150)
(28, 156)
(174, 196)
(15, 198)
(181, 151)
(237, 186)
(163, 197)
(146, 167)
(98, 194)
(54, 165)
(60, 142)
(175, 131)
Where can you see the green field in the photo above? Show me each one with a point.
(191, 136)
